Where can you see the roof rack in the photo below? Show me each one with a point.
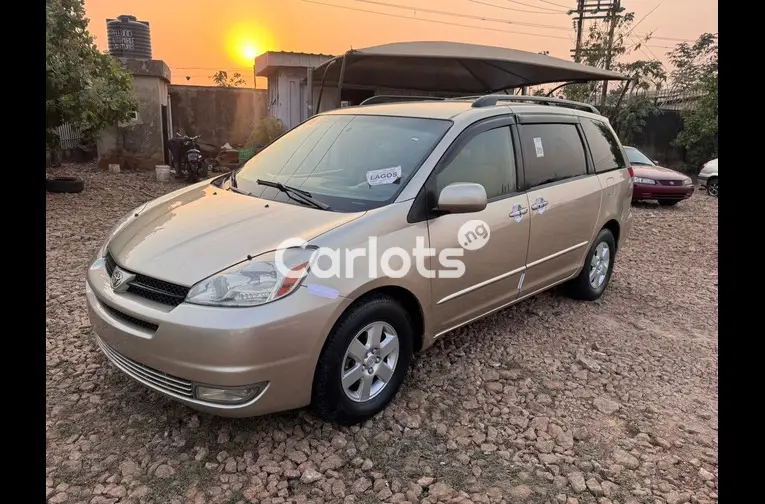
(492, 99)
(397, 98)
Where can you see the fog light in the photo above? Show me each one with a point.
(229, 395)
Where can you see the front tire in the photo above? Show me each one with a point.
(712, 187)
(598, 265)
(364, 361)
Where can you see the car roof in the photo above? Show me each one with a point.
(450, 109)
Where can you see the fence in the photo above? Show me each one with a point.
(670, 99)
(68, 135)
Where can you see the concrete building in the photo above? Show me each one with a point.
(140, 142)
(290, 76)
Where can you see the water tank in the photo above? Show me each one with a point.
(128, 37)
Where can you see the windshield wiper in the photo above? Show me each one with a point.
(295, 194)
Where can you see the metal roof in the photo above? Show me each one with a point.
(453, 67)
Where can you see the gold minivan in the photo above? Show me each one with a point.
(311, 275)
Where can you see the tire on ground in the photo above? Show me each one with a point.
(580, 287)
(328, 398)
(64, 185)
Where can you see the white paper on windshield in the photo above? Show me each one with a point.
(538, 147)
(383, 176)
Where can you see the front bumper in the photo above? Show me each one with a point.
(702, 179)
(661, 192)
(174, 349)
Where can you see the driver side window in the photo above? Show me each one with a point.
(487, 159)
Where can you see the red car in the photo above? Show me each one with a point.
(654, 182)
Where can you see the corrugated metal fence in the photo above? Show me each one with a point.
(69, 136)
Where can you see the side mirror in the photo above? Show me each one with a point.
(462, 197)
(655, 162)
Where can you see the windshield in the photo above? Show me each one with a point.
(350, 162)
(636, 157)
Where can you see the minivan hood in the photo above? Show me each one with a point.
(206, 229)
(657, 172)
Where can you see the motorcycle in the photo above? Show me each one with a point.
(186, 158)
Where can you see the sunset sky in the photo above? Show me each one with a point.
(197, 37)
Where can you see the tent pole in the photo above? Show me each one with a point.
(321, 88)
(340, 80)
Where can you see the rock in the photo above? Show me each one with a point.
(520, 492)
(565, 440)
(426, 481)
(623, 458)
(411, 421)
(588, 363)
(310, 476)
(297, 457)
(164, 471)
(439, 491)
(594, 487)
(494, 387)
(705, 475)
(677, 497)
(338, 489)
(333, 462)
(129, 468)
(361, 485)
(606, 405)
(576, 480)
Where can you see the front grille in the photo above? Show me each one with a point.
(676, 183)
(110, 264)
(146, 375)
(129, 318)
(152, 289)
(158, 290)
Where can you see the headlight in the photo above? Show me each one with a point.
(254, 282)
(118, 227)
(687, 181)
(641, 180)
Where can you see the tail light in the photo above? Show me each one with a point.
(632, 172)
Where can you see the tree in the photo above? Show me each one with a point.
(83, 86)
(696, 71)
(692, 62)
(222, 79)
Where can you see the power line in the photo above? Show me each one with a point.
(546, 11)
(447, 23)
(642, 19)
(536, 6)
(515, 10)
(555, 4)
(461, 15)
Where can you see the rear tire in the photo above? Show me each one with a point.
(712, 187)
(596, 272)
(334, 401)
(672, 202)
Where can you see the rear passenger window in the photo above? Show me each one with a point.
(604, 147)
(551, 152)
(486, 159)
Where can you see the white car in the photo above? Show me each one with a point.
(708, 177)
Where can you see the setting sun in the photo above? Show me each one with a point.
(245, 41)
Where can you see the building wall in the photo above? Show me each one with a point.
(138, 144)
(219, 114)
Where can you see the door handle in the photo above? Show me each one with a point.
(539, 203)
(519, 212)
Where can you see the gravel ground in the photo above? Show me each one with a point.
(550, 401)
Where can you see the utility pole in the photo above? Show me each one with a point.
(579, 23)
(590, 10)
(615, 9)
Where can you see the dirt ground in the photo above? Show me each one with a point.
(549, 401)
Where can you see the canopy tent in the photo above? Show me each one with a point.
(448, 67)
